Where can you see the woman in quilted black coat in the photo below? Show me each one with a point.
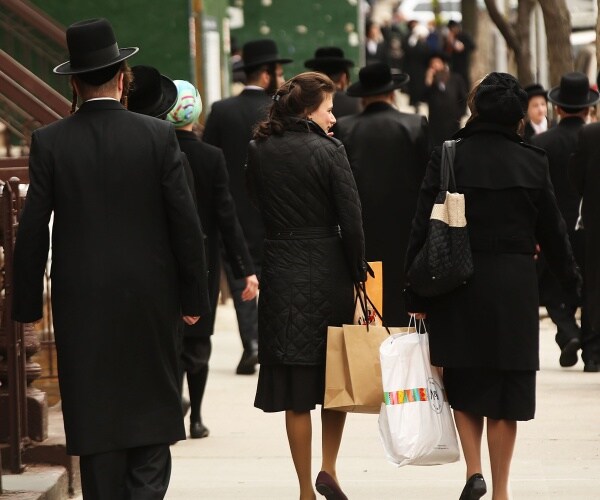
(485, 334)
(300, 178)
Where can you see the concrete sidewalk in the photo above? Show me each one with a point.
(246, 455)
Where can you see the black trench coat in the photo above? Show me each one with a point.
(304, 189)
(218, 215)
(492, 321)
(125, 266)
(585, 175)
(387, 151)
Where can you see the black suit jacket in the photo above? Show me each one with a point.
(230, 127)
(127, 261)
(216, 209)
(387, 151)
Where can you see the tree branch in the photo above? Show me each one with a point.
(503, 26)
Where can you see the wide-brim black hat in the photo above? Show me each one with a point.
(258, 52)
(376, 79)
(151, 93)
(92, 45)
(534, 90)
(328, 58)
(573, 92)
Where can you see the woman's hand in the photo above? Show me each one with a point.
(418, 315)
(251, 288)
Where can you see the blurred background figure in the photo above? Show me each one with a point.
(416, 58)
(459, 46)
(446, 95)
(331, 61)
(375, 49)
(536, 119)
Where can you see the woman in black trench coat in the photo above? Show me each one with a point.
(485, 334)
(313, 253)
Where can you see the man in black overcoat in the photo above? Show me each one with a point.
(331, 61)
(230, 126)
(572, 99)
(387, 150)
(125, 270)
(584, 170)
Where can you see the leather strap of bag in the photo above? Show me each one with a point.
(361, 291)
(447, 180)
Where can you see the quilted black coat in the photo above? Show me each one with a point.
(314, 246)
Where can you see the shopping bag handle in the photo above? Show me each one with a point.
(361, 288)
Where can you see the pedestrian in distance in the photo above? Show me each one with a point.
(125, 270)
(313, 254)
(585, 176)
(572, 100)
(217, 213)
(387, 150)
(331, 61)
(230, 127)
(536, 118)
(485, 334)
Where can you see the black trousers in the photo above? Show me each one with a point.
(246, 311)
(141, 473)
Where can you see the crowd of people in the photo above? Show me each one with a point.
(288, 196)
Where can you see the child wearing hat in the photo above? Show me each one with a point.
(537, 111)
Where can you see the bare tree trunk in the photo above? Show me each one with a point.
(557, 21)
(524, 72)
(516, 40)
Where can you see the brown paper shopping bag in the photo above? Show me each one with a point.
(353, 371)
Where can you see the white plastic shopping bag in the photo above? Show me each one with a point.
(415, 421)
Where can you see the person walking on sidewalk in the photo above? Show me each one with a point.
(314, 251)
(485, 334)
(229, 127)
(572, 99)
(387, 150)
(125, 270)
(217, 213)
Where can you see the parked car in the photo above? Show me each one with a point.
(422, 10)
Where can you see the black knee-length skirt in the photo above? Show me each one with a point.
(497, 394)
(290, 387)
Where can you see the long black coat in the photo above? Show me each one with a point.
(492, 321)
(216, 209)
(127, 262)
(560, 143)
(304, 188)
(387, 151)
(585, 174)
(230, 126)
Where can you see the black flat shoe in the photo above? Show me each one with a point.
(568, 354)
(474, 489)
(197, 430)
(327, 487)
(247, 365)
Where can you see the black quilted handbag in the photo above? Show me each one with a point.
(445, 261)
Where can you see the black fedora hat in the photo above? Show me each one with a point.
(573, 92)
(258, 52)
(151, 93)
(375, 79)
(328, 59)
(92, 45)
(534, 90)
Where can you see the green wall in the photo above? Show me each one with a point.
(158, 27)
(301, 26)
